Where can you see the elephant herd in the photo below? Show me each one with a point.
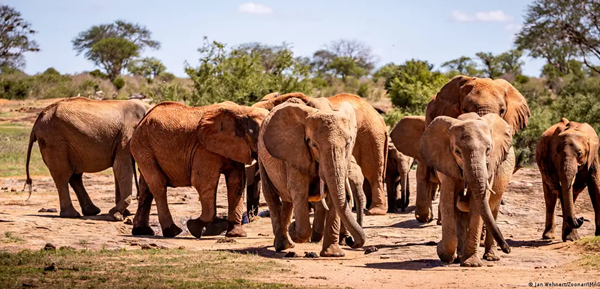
(328, 155)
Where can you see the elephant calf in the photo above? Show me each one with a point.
(567, 155)
(397, 174)
(176, 146)
(80, 135)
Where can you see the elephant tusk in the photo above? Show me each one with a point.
(490, 187)
(322, 192)
(349, 191)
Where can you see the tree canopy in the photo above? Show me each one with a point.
(15, 38)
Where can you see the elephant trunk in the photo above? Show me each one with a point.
(476, 176)
(567, 178)
(336, 182)
(360, 201)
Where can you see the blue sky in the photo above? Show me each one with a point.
(399, 30)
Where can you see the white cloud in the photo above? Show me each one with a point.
(481, 16)
(514, 27)
(254, 8)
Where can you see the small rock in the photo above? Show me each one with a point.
(4, 188)
(226, 240)
(25, 285)
(49, 210)
(384, 257)
(370, 250)
(13, 190)
(490, 265)
(181, 248)
(49, 247)
(310, 255)
(263, 234)
(52, 267)
(291, 255)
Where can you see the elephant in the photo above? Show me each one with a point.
(474, 160)
(405, 136)
(567, 156)
(370, 150)
(396, 174)
(80, 135)
(356, 180)
(301, 148)
(252, 190)
(176, 146)
(464, 94)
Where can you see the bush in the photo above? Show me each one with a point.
(14, 87)
(99, 74)
(119, 83)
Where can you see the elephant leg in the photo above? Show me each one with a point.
(475, 223)
(58, 165)
(490, 244)
(332, 232)
(252, 199)
(594, 191)
(569, 233)
(378, 201)
(207, 195)
(298, 186)
(446, 248)
(123, 172)
(87, 206)
(318, 222)
(235, 190)
(368, 193)
(281, 238)
(157, 182)
(550, 197)
(141, 221)
(462, 221)
(423, 212)
(391, 186)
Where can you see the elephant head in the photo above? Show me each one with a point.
(469, 150)
(465, 94)
(318, 143)
(575, 149)
(231, 130)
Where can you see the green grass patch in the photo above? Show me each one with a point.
(14, 139)
(10, 237)
(135, 269)
(590, 243)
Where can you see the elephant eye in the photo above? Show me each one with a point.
(489, 150)
(457, 151)
(502, 110)
(314, 144)
(579, 154)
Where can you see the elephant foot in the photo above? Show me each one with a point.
(235, 230)
(69, 213)
(445, 256)
(127, 213)
(549, 235)
(294, 235)
(572, 236)
(491, 256)
(316, 237)
(90, 210)
(332, 250)
(171, 231)
(216, 227)
(195, 226)
(376, 211)
(349, 240)
(282, 243)
(472, 261)
(439, 222)
(393, 210)
(597, 233)
(142, 231)
(116, 215)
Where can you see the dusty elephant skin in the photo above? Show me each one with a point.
(299, 147)
(470, 153)
(370, 150)
(396, 174)
(176, 146)
(80, 135)
(567, 156)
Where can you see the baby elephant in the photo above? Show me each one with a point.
(567, 156)
(396, 174)
(80, 135)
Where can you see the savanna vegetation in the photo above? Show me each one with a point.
(564, 33)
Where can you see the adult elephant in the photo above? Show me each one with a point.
(176, 146)
(474, 161)
(397, 174)
(567, 155)
(79, 135)
(370, 150)
(300, 148)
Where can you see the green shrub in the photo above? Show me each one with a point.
(14, 86)
(119, 83)
(99, 74)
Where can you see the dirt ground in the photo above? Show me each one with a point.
(406, 256)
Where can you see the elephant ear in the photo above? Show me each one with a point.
(501, 141)
(222, 131)
(406, 135)
(517, 111)
(435, 147)
(320, 103)
(593, 143)
(447, 101)
(284, 135)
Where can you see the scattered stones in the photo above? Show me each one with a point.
(49, 210)
(52, 267)
(371, 249)
(226, 240)
(310, 255)
(128, 221)
(49, 247)
(291, 255)
(540, 267)
(4, 188)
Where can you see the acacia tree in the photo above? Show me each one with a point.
(15, 39)
(491, 66)
(148, 67)
(464, 65)
(344, 57)
(112, 46)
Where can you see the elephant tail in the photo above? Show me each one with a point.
(135, 178)
(28, 181)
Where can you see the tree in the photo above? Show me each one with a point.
(492, 68)
(343, 58)
(15, 34)
(148, 67)
(464, 65)
(356, 50)
(511, 63)
(111, 46)
(345, 66)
